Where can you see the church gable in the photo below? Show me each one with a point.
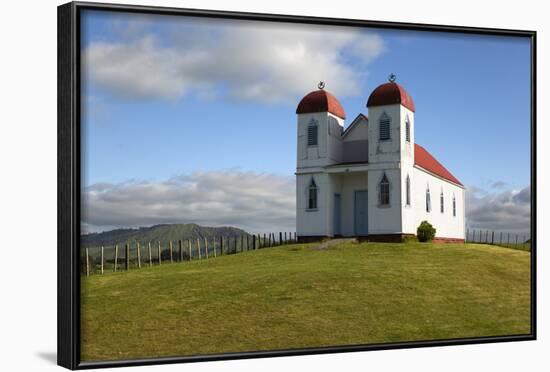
(357, 130)
(355, 141)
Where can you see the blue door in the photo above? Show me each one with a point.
(337, 215)
(361, 213)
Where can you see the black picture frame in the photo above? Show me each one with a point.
(68, 72)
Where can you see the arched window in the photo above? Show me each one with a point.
(384, 191)
(384, 127)
(408, 190)
(454, 206)
(312, 195)
(428, 201)
(407, 130)
(312, 133)
(442, 202)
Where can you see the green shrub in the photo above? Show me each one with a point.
(425, 232)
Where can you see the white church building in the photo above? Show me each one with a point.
(370, 179)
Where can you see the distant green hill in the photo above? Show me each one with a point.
(156, 233)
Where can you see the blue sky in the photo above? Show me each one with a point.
(167, 98)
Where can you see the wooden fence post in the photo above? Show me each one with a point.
(171, 252)
(206, 247)
(102, 260)
(189, 246)
(221, 245)
(87, 263)
(493, 237)
(180, 246)
(160, 254)
(127, 260)
(199, 247)
(247, 245)
(150, 256)
(254, 242)
(214, 246)
(285, 238)
(138, 255)
(280, 238)
(116, 256)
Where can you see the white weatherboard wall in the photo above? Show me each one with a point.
(384, 219)
(312, 222)
(447, 226)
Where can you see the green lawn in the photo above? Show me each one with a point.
(297, 296)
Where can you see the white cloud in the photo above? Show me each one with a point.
(253, 61)
(257, 202)
(507, 211)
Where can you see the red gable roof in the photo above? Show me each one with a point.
(425, 160)
(320, 101)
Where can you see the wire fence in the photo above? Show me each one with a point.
(138, 254)
(500, 238)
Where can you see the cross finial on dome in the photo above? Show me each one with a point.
(321, 85)
(392, 78)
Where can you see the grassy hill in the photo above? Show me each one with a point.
(300, 296)
(158, 233)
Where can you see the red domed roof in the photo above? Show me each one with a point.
(320, 101)
(389, 94)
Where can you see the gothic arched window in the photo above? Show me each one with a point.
(428, 200)
(384, 191)
(312, 195)
(384, 127)
(442, 202)
(408, 191)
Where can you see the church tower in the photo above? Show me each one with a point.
(391, 159)
(320, 126)
(319, 144)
